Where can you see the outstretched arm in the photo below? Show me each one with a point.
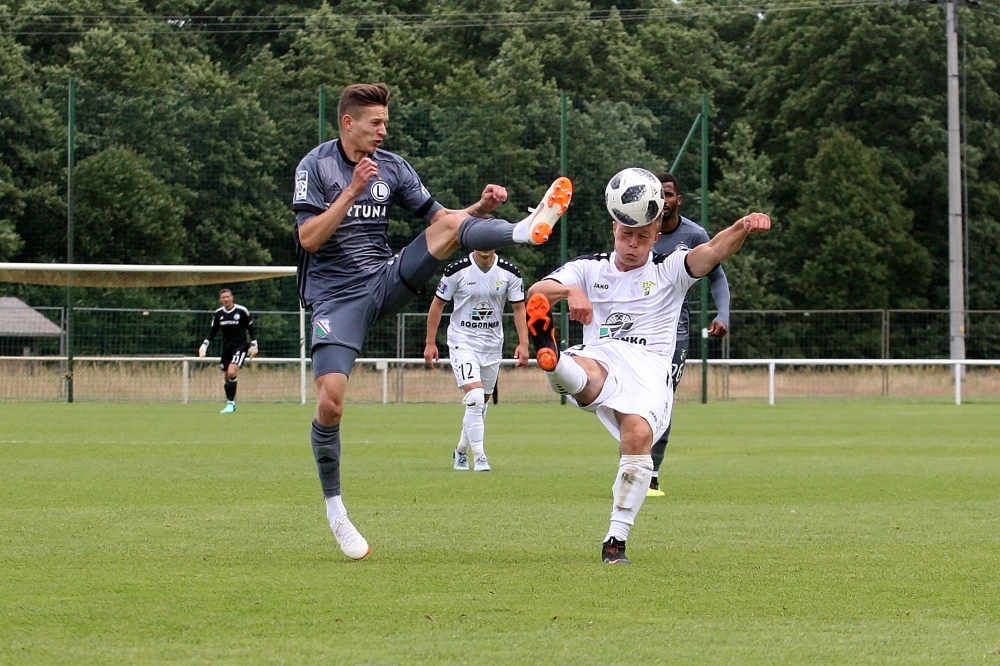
(431, 355)
(720, 294)
(702, 259)
(489, 201)
(580, 307)
(521, 324)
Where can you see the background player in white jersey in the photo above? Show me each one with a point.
(478, 285)
(235, 323)
(350, 278)
(628, 302)
(677, 232)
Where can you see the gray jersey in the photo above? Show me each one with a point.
(360, 245)
(689, 235)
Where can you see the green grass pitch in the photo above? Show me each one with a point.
(833, 533)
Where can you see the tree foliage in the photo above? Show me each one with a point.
(188, 130)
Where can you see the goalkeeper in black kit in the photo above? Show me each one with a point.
(235, 322)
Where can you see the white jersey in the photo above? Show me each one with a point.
(640, 306)
(479, 296)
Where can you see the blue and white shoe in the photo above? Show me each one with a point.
(461, 461)
(229, 408)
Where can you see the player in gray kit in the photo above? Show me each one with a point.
(350, 278)
(679, 232)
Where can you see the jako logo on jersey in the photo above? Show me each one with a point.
(616, 324)
(482, 311)
(322, 328)
(380, 191)
(681, 246)
(367, 211)
(598, 285)
(301, 185)
(647, 286)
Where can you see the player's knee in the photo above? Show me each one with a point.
(475, 398)
(637, 437)
(452, 222)
(329, 408)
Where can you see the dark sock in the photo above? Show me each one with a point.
(658, 452)
(231, 390)
(478, 233)
(326, 449)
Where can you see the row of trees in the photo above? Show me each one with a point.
(189, 129)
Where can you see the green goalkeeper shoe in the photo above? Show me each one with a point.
(228, 409)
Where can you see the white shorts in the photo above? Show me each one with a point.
(638, 383)
(472, 366)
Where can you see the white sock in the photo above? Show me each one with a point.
(629, 491)
(522, 230)
(463, 442)
(569, 377)
(474, 429)
(618, 530)
(334, 507)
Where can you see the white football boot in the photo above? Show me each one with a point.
(349, 538)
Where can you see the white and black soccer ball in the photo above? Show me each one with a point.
(634, 197)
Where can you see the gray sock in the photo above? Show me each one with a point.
(477, 233)
(326, 448)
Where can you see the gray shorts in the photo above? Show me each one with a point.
(339, 323)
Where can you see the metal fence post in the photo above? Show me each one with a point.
(302, 354)
(885, 351)
(70, 159)
(704, 223)
(770, 383)
(563, 233)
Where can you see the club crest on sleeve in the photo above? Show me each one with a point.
(301, 185)
(441, 288)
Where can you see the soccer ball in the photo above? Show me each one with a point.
(634, 197)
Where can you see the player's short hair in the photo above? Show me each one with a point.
(667, 177)
(361, 95)
(225, 290)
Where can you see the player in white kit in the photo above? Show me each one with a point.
(478, 285)
(629, 302)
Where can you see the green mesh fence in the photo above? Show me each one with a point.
(779, 334)
(197, 173)
(202, 174)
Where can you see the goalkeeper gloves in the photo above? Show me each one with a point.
(203, 348)
(253, 349)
